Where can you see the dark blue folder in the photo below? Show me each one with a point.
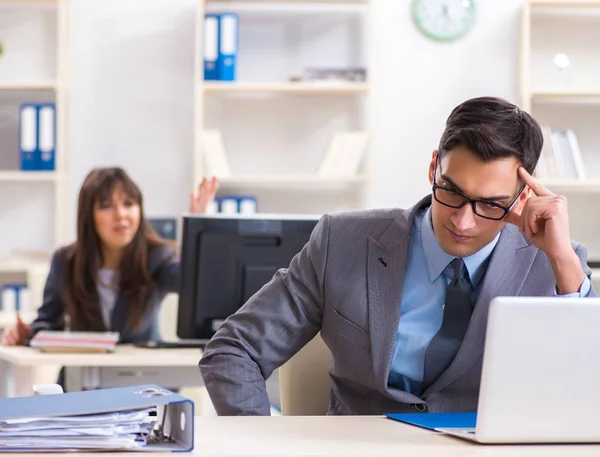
(431, 421)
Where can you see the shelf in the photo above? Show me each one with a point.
(27, 86)
(564, 4)
(294, 7)
(565, 96)
(285, 88)
(28, 176)
(292, 2)
(583, 186)
(20, 265)
(291, 180)
(27, 3)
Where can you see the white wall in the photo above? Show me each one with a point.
(417, 82)
(131, 100)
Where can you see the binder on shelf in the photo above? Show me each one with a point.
(228, 204)
(248, 205)
(344, 154)
(214, 154)
(228, 44)
(134, 418)
(15, 297)
(236, 204)
(47, 136)
(573, 146)
(28, 136)
(211, 46)
(560, 157)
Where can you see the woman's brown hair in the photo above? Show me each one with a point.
(85, 255)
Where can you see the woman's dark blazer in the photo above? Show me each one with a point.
(163, 266)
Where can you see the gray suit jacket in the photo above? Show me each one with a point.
(163, 267)
(347, 282)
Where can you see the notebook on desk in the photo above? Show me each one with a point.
(434, 421)
(539, 381)
(74, 342)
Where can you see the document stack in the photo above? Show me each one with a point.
(121, 430)
(55, 341)
(134, 418)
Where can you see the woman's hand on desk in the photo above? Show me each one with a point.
(203, 195)
(16, 334)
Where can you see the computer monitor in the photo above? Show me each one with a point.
(226, 259)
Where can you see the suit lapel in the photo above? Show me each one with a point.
(386, 268)
(509, 266)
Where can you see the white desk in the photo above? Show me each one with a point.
(128, 365)
(349, 436)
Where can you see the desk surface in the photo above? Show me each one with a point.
(123, 356)
(342, 437)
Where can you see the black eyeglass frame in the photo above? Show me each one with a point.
(473, 202)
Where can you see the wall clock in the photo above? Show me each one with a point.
(444, 20)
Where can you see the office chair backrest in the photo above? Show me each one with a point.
(304, 381)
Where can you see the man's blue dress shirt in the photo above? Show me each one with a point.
(427, 274)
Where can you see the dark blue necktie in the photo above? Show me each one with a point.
(457, 312)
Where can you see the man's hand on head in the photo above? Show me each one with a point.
(544, 220)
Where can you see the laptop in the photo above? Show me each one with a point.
(540, 379)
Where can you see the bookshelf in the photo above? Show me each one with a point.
(276, 126)
(33, 69)
(23, 176)
(560, 87)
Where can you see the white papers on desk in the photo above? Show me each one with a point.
(106, 431)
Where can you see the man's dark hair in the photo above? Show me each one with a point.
(492, 129)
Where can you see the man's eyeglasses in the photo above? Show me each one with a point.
(455, 199)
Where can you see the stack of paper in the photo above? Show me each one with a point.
(108, 431)
(54, 341)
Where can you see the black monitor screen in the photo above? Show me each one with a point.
(227, 259)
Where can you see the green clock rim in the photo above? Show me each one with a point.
(437, 36)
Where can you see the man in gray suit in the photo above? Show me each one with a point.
(401, 296)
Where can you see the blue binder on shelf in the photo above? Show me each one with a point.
(105, 419)
(228, 46)
(432, 421)
(211, 46)
(47, 136)
(28, 136)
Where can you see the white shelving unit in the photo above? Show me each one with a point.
(33, 68)
(276, 130)
(567, 97)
